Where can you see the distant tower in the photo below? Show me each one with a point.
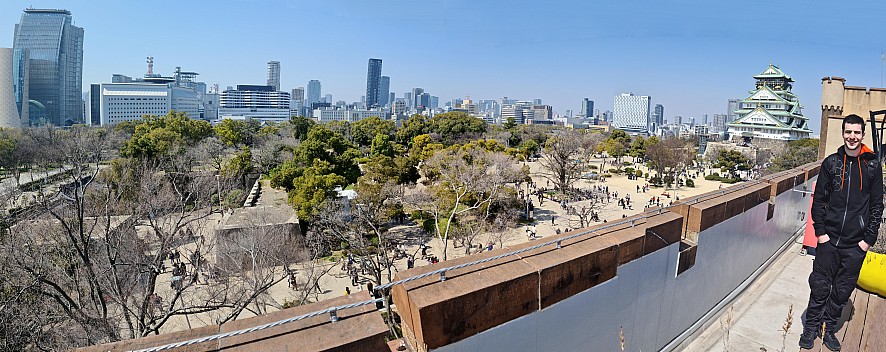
(274, 74)
(150, 72)
(384, 91)
(373, 81)
(313, 92)
(587, 108)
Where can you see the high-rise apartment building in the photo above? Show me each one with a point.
(274, 74)
(313, 92)
(631, 113)
(384, 91)
(373, 80)
(298, 95)
(54, 47)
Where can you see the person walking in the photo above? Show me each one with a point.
(846, 211)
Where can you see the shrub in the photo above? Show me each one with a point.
(606, 175)
(614, 171)
(690, 183)
(713, 177)
(656, 180)
(730, 180)
(629, 170)
(626, 163)
(593, 167)
(639, 173)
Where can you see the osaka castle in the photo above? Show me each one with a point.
(771, 111)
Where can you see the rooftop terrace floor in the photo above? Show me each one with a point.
(759, 314)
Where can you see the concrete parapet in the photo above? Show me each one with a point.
(811, 169)
(476, 298)
(470, 300)
(358, 329)
(705, 211)
(785, 181)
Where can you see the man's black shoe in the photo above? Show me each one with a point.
(807, 339)
(830, 341)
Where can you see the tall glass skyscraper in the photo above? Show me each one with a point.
(313, 92)
(53, 47)
(373, 80)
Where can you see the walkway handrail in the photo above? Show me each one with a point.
(441, 272)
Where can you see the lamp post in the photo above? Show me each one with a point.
(218, 188)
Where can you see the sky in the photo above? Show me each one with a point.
(689, 56)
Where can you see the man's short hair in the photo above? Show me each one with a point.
(855, 120)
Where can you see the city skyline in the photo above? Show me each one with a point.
(690, 57)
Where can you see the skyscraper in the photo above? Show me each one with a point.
(384, 91)
(587, 108)
(274, 74)
(631, 113)
(657, 118)
(55, 48)
(373, 79)
(731, 115)
(313, 92)
(298, 101)
(416, 98)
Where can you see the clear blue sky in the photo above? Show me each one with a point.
(690, 56)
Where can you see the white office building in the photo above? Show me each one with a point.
(131, 101)
(349, 115)
(631, 113)
(253, 102)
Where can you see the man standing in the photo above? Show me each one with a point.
(846, 211)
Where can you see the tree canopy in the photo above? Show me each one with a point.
(157, 136)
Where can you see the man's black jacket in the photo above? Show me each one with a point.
(848, 200)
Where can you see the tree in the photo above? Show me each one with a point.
(616, 145)
(365, 130)
(509, 124)
(638, 149)
(320, 163)
(561, 163)
(413, 127)
(462, 181)
(668, 158)
(794, 154)
(456, 126)
(237, 132)
(239, 167)
(381, 145)
(732, 161)
(164, 136)
(301, 126)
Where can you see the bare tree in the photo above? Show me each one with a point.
(92, 264)
(562, 162)
(462, 182)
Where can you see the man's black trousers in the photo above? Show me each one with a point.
(834, 275)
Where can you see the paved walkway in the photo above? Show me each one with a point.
(760, 314)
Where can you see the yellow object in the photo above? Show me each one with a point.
(873, 273)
